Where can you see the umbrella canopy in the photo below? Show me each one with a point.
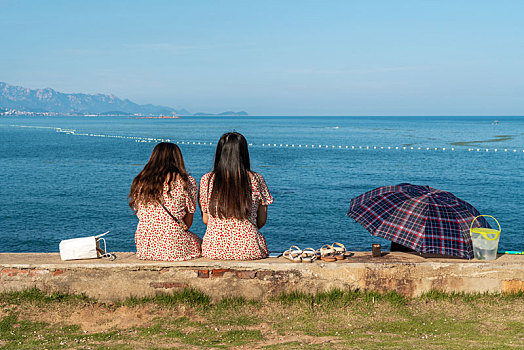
(419, 217)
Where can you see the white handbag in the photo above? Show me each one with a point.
(84, 248)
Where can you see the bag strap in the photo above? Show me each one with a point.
(102, 234)
(104, 253)
(184, 226)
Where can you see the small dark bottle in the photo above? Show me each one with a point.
(375, 250)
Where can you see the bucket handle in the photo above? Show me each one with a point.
(482, 233)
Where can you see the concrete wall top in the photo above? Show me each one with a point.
(128, 260)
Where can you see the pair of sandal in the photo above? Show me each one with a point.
(295, 254)
(328, 253)
(333, 252)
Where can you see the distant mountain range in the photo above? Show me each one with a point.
(228, 113)
(20, 100)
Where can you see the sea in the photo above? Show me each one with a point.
(64, 177)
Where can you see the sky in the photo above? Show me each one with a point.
(284, 57)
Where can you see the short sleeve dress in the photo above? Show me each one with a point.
(158, 236)
(231, 238)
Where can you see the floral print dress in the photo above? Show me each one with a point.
(231, 238)
(158, 236)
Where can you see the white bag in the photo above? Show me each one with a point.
(83, 248)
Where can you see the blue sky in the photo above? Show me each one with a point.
(424, 57)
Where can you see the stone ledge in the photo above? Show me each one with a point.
(126, 260)
(127, 276)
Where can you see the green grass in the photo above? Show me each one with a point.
(34, 295)
(230, 303)
(22, 334)
(198, 333)
(191, 297)
(470, 297)
(337, 298)
(338, 319)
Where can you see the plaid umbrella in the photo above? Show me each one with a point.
(419, 217)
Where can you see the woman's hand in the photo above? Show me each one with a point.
(261, 215)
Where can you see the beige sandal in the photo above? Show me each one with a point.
(339, 251)
(308, 255)
(294, 254)
(327, 253)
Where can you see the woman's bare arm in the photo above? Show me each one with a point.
(261, 215)
(188, 219)
(204, 218)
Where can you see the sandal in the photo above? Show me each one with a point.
(294, 254)
(308, 255)
(327, 253)
(339, 251)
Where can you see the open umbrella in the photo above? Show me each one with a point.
(419, 217)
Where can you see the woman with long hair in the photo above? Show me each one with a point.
(164, 197)
(234, 203)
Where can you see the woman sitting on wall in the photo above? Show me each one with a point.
(234, 203)
(164, 198)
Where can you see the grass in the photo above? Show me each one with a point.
(339, 319)
(191, 297)
(34, 295)
(339, 298)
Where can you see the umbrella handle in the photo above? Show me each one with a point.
(489, 216)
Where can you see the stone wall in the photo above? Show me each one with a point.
(407, 274)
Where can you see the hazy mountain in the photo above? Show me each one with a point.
(49, 100)
(224, 114)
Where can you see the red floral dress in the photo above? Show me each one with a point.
(234, 239)
(158, 236)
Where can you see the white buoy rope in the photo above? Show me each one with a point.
(135, 138)
(141, 139)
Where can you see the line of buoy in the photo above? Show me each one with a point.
(279, 145)
(451, 149)
(287, 145)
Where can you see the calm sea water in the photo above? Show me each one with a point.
(57, 185)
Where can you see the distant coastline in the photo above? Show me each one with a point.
(159, 117)
(21, 113)
(21, 101)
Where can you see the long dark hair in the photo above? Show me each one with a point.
(231, 195)
(165, 161)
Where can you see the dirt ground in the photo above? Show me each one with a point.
(334, 321)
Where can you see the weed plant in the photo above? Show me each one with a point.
(337, 319)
